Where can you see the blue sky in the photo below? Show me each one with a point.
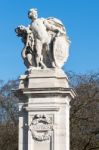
(80, 17)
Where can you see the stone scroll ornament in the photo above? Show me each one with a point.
(46, 44)
(41, 128)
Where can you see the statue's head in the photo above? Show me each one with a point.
(32, 13)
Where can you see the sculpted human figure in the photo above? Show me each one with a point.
(40, 27)
(28, 40)
(40, 35)
(45, 42)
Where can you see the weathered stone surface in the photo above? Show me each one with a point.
(44, 78)
(46, 44)
(44, 92)
(44, 110)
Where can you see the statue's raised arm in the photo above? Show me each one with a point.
(45, 42)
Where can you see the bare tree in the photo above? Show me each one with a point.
(8, 116)
(85, 112)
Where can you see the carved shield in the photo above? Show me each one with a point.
(60, 50)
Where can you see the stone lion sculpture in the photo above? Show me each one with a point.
(46, 44)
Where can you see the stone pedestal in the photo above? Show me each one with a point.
(44, 110)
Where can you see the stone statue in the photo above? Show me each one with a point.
(45, 41)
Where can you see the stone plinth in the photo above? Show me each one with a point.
(44, 110)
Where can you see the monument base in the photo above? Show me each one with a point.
(44, 110)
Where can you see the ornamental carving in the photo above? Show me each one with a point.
(41, 127)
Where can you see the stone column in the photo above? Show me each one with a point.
(44, 110)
